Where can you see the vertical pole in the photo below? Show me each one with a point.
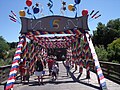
(15, 64)
(100, 75)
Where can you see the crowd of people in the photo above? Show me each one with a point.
(39, 66)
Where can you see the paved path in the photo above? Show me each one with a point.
(65, 83)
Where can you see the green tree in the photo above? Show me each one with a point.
(101, 53)
(105, 34)
(114, 50)
(4, 47)
(12, 45)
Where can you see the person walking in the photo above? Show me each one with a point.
(67, 64)
(54, 71)
(39, 69)
(50, 62)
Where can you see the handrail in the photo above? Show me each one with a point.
(110, 70)
(4, 72)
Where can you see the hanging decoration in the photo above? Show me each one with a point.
(93, 15)
(22, 13)
(84, 12)
(36, 8)
(76, 3)
(92, 12)
(97, 16)
(71, 7)
(28, 3)
(13, 17)
(50, 5)
(63, 8)
(28, 12)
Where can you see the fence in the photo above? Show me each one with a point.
(110, 70)
(4, 72)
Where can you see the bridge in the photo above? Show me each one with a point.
(78, 48)
(64, 82)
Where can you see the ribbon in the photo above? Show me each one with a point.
(51, 5)
(95, 14)
(12, 18)
(75, 10)
(92, 12)
(76, 3)
(28, 12)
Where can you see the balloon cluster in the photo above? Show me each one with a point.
(35, 9)
(22, 13)
(72, 7)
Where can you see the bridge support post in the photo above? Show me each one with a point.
(100, 75)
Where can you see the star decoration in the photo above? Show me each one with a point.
(48, 4)
(64, 3)
(37, 4)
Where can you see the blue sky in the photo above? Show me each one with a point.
(109, 9)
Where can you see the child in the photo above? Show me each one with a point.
(54, 71)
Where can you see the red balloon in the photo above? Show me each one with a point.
(29, 2)
(84, 12)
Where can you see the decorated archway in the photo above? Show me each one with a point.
(73, 36)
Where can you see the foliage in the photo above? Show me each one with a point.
(12, 45)
(4, 47)
(114, 50)
(5, 62)
(102, 53)
(105, 34)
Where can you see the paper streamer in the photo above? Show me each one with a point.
(92, 12)
(51, 2)
(95, 14)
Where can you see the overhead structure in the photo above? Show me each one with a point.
(77, 40)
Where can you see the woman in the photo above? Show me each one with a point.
(39, 69)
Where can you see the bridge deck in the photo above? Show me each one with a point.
(65, 83)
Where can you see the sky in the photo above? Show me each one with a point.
(10, 31)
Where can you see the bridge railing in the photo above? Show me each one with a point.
(110, 70)
(4, 72)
